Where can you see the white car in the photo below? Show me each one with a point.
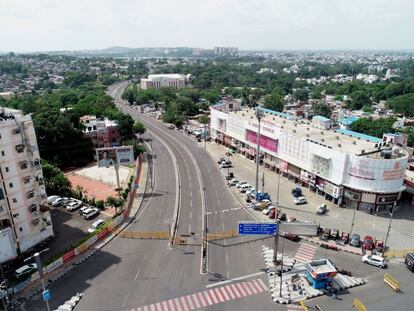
(299, 200)
(267, 210)
(51, 198)
(91, 213)
(233, 182)
(57, 202)
(374, 260)
(84, 209)
(244, 188)
(73, 205)
(96, 225)
(240, 183)
(250, 192)
(25, 269)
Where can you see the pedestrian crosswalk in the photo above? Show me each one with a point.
(305, 252)
(208, 297)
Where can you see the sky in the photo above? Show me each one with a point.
(46, 25)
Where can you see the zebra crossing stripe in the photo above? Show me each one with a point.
(208, 297)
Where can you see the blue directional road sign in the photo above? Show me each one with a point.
(257, 228)
(46, 295)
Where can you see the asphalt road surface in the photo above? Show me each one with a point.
(130, 273)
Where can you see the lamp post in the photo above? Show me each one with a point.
(389, 228)
(275, 261)
(40, 270)
(259, 115)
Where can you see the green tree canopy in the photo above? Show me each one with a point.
(274, 101)
(55, 181)
(373, 127)
(403, 104)
(139, 128)
(322, 110)
(301, 94)
(359, 100)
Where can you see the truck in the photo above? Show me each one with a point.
(409, 261)
(260, 196)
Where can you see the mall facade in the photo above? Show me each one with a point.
(348, 168)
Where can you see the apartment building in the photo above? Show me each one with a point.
(102, 132)
(22, 188)
(158, 81)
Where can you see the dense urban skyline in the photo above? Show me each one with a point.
(47, 25)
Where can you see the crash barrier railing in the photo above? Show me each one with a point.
(359, 305)
(155, 235)
(391, 282)
(222, 235)
(399, 253)
(50, 269)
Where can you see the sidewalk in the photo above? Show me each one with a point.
(402, 229)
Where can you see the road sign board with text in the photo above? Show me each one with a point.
(257, 228)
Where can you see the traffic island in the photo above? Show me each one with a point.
(299, 281)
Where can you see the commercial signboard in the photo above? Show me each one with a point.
(112, 156)
(308, 177)
(257, 228)
(264, 141)
(397, 172)
(282, 165)
(7, 247)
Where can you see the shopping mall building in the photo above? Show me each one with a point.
(348, 168)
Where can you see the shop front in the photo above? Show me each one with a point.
(370, 202)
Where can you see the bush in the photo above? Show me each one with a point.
(100, 204)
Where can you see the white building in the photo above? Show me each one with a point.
(22, 189)
(158, 81)
(349, 168)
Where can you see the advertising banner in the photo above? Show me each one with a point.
(81, 248)
(111, 156)
(264, 141)
(68, 256)
(282, 165)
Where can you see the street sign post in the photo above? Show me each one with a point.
(46, 295)
(257, 228)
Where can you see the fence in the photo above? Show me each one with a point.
(399, 253)
(222, 235)
(156, 235)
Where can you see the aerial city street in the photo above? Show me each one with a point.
(253, 155)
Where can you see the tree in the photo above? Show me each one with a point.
(316, 93)
(359, 100)
(301, 94)
(203, 119)
(139, 128)
(322, 110)
(274, 101)
(212, 96)
(373, 127)
(55, 181)
(403, 104)
(193, 94)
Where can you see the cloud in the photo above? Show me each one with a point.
(250, 24)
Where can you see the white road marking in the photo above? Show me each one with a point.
(125, 300)
(234, 279)
(136, 276)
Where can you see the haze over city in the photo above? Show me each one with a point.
(41, 25)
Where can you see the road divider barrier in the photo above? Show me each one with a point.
(359, 305)
(213, 236)
(391, 282)
(151, 235)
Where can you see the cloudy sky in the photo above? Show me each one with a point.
(34, 25)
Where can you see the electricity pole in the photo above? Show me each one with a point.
(259, 115)
(389, 228)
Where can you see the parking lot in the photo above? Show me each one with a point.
(401, 232)
(69, 227)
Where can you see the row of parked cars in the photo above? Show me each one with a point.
(72, 204)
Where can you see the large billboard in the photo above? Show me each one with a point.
(264, 141)
(7, 247)
(112, 156)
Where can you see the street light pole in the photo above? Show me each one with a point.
(258, 116)
(389, 228)
(40, 270)
(353, 220)
(281, 266)
(275, 261)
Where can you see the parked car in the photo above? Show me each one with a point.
(299, 200)
(91, 213)
(51, 198)
(250, 192)
(57, 202)
(291, 236)
(409, 261)
(84, 209)
(233, 182)
(267, 210)
(244, 188)
(374, 260)
(221, 160)
(73, 206)
(240, 183)
(225, 164)
(379, 245)
(368, 243)
(344, 238)
(297, 192)
(335, 234)
(272, 213)
(321, 209)
(96, 225)
(355, 240)
(281, 216)
(24, 270)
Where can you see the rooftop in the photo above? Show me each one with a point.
(165, 76)
(321, 118)
(341, 140)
